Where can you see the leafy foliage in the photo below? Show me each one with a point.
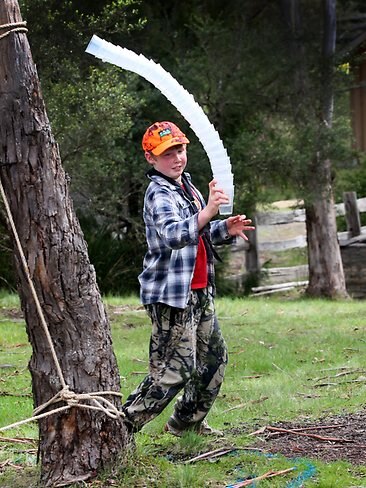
(235, 58)
(116, 258)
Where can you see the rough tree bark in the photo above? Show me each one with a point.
(78, 442)
(326, 275)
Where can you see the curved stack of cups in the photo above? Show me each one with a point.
(225, 181)
(221, 170)
(182, 100)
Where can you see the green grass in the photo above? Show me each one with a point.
(278, 352)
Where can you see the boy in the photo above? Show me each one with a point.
(187, 350)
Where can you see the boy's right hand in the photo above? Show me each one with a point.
(216, 197)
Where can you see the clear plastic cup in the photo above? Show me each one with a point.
(227, 208)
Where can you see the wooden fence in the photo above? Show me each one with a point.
(282, 230)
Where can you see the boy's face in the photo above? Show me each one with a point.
(171, 162)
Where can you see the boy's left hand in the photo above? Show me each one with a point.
(237, 224)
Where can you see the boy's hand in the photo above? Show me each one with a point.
(215, 199)
(237, 224)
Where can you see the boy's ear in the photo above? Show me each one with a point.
(149, 157)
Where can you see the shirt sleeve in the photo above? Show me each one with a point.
(171, 216)
(219, 232)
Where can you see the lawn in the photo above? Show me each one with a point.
(291, 360)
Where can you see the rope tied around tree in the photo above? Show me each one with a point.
(13, 27)
(72, 399)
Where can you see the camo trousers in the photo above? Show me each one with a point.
(187, 352)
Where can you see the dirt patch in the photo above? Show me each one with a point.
(332, 438)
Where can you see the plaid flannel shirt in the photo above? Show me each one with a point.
(171, 220)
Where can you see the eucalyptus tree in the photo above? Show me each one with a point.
(312, 68)
(75, 378)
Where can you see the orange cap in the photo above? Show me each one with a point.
(162, 135)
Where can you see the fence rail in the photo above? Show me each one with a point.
(264, 219)
(298, 214)
(352, 243)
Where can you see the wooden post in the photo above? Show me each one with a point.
(251, 255)
(352, 214)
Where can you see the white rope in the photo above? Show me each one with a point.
(13, 27)
(98, 402)
(30, 282)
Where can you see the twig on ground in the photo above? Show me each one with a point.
(19, 440)
(282, 370)
(220, 452)
(296, 432)
(242, 405)
(269, 474)
(342, 373)
(341, 446)
(21, 395)
(317, 427)
(10, 464)
(307, 395)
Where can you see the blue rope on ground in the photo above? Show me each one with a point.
(308, 471)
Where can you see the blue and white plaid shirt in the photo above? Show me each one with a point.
(171, 220)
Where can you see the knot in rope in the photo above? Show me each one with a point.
(68, 396)
(92, 401)
(13, 27)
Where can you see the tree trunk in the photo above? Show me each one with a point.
(326, 275)
(77, 442)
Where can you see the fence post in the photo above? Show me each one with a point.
(252, 264)
(352, 214)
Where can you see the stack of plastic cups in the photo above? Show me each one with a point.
(225, 182)
(182, 100)
(221, 170)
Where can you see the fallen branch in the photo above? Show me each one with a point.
(10, 464)
(279, 286)
(21, 395)
(220, 452)
(342, 373)
(238, 352)
(307, 395)
(269, 474)
(19, 440)
(296, 432)
(319, 427)
(242, 405)
(340, 446)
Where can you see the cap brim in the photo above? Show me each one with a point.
(175, 141)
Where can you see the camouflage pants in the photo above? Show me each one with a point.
(187, 352)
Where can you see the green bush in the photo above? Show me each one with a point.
(117, 259)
